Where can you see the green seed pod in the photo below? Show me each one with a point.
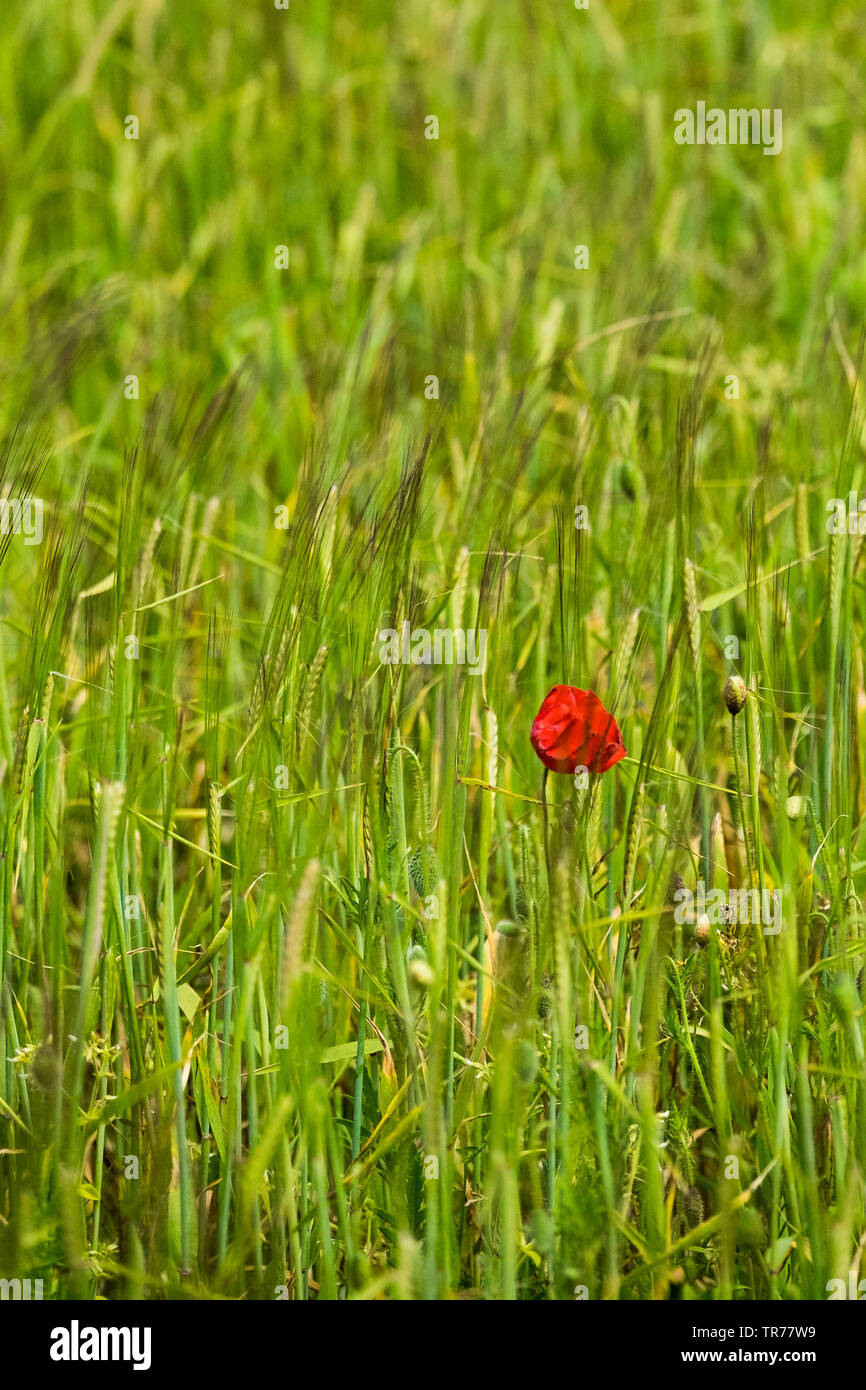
(424, 870)
(418, 969)
(507, 928)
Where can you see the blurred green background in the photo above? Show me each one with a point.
(305, 127)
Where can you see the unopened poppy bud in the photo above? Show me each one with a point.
(794, 807)
(735, 693)
(508, 929)
(418, 968)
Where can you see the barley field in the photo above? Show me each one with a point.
(368, 371)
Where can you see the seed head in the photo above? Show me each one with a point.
(735, 693)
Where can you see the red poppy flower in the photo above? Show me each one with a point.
(573, 729)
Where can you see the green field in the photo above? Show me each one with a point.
(321, 321)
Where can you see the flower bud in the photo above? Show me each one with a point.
(418, 968)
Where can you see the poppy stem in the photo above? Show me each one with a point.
(546, 827)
